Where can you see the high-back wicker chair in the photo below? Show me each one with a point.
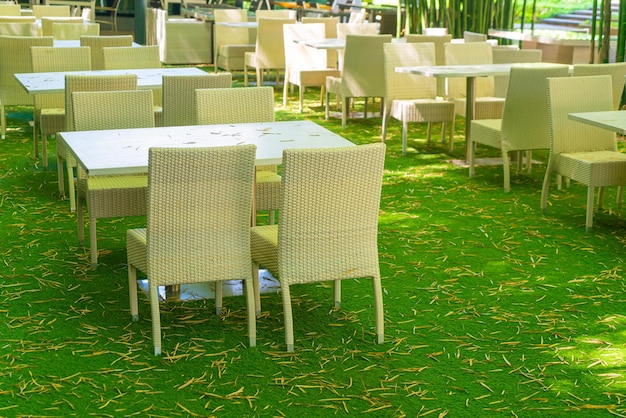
(363, 73)
(19, 29)
(269, 51)
(440, 55)
(508, 56)
(15, 59)
(328, 224)
(44, 10)
(524, 125)
(49, 109)
(616, 70)
(204, 237)
(47, 22)
(10, 10)
(179, 95)
(353, 28)
(127, 57)
(487, 105)
(330, 26)
(410, 97)
(71, 31)
(275, 14)
(578, 151)
(96, 43)
(18, 19)
(110, 196)
(244, 105)
(305, 66)
(231, 43)
(84, 83)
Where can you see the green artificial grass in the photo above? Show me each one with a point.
(491, 308)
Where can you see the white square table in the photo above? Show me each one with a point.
(470, 72)
(125, 151)
(147, 78)
(614, 120)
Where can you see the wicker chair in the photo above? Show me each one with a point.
(330, 24)
(179, 95)
(524, 123)
(508, 56)
(275, 14)
(305, 66)
(71, 31)
(127, 57)
(41, 10)
(204, 237)
(47, 22)
(19, 29)
(487, 105)
(244, 105)
(111, 10)
(96, 43)
(10, 10)
(617, 71)
(49, 109)
(84, 83)
(231, 43)
(18, 19)
(363, 73)
(269, 51)
(440, 55)
(328, 227)
(582, 152)
(15, 59)
(110, 196)
(412, 98)
(353, 28)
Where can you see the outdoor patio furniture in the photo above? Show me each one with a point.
(524, 125)
(269, 52)
(244, 105)
(231, 42)
(411, 97)
(179, 95)
(49, 109)
(583, 153)
(71, 31)
(204, 237)
(96, 43)
(328, 225)
(109, 196)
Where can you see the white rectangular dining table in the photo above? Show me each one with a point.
(125, 151)
(470, 72)
(147, 78)
(613, 120)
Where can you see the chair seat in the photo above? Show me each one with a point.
(267, 190)
(486, 107)
(487, 132)
(423, 110)
(136, 241)
(235, 51)
(264, 241)
(597, 168)
(313, 77)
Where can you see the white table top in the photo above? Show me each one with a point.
(326, 43)
(75, 43)
(125, 151)
(37, 83)
(614, 121)
(478, 70)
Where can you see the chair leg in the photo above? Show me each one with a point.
(472, 158)
(451, 141)
(301, 97)
(70, 186)
(156, 319)
(35, 136)
(589, 217)
(429, 132)
(545, 189)
(93, 241)
(337, 293)
(365, 108)
(380, 315)
(344, 111)
(288, 316)
(3, 122)
(249, 289)
(257, 289)
(600, 197)
(506, 169)
(44, 151)
(326, 106)
(132, 292)
(620, 193)
(218, 297)
(60, 176)
(245, 75)
(405, 128)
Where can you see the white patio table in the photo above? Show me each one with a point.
(614, 120)
(470, 72)
(147, 78)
